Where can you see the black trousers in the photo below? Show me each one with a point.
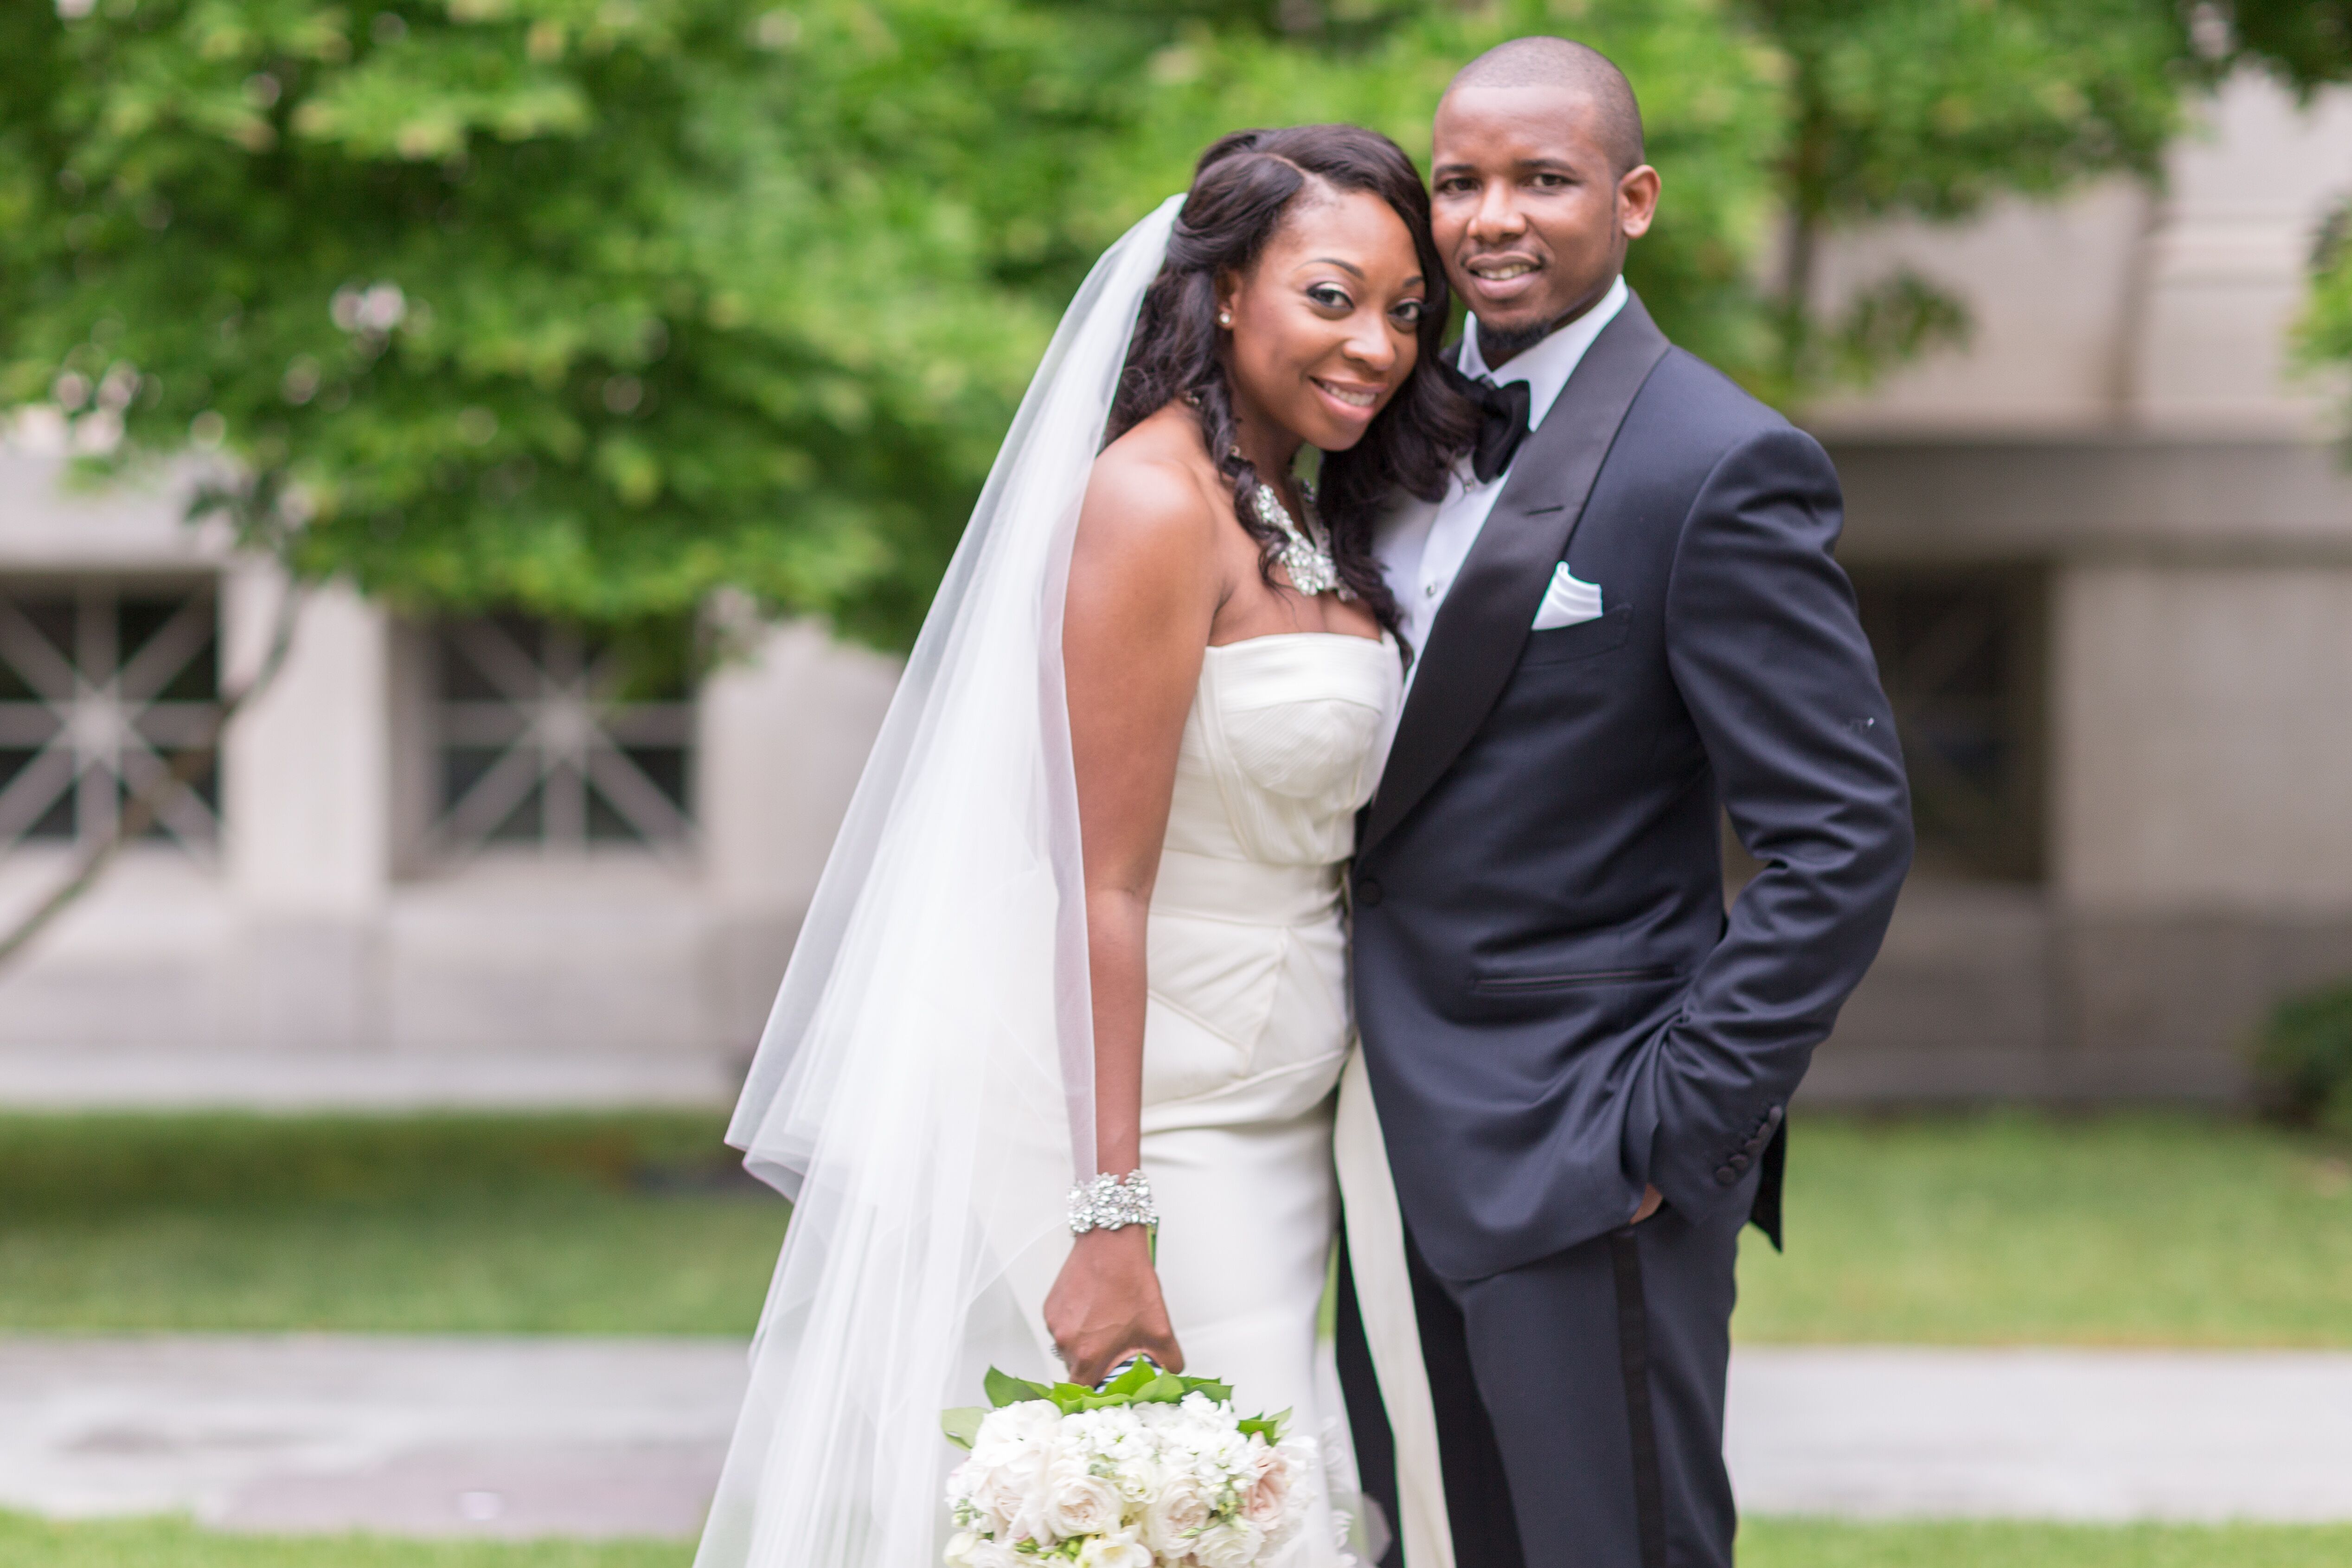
(1578, 1401)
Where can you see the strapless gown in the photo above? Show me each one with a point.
(1247, 1026)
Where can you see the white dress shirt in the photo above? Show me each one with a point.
(1420, 547)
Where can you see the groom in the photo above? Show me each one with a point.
(1627, 621)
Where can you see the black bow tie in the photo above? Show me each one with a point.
(1502, 423)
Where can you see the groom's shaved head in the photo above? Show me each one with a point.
(1536, 186)
(1544, 62)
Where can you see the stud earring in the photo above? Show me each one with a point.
(1224, 318)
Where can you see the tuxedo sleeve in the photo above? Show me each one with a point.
(1769, 656)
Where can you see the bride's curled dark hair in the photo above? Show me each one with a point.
(1243, 185)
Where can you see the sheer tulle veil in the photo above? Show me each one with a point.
(924, 1090)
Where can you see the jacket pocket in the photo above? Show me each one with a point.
(1515, 985)
(1585, 640)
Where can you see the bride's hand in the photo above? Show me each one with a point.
(1106, 1306)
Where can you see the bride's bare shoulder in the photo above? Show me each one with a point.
(1150, 490)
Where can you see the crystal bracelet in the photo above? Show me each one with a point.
(1112, 1203)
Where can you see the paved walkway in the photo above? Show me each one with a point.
(2043, 1433)
(472, 1435)
(501, 1437)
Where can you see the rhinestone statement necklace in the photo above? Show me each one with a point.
(1308, 564)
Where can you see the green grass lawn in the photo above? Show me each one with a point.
(1821, 1543)
(1763, 1543)
(27, 1543)
(2144, 1229)
(2125, 1229)
(559, 1223)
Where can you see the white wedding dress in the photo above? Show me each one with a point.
(1247, 1027)
(924, 1089)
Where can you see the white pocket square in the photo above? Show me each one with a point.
(1567, 601)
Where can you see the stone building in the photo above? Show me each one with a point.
(2106, 558)
(2104, 554)
(435, 863)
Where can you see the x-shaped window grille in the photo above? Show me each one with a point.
(538, 745)
(1959, 653)
(100, 686)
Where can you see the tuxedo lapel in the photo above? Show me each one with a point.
(1474, 643)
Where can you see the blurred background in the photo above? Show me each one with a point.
(468, 468)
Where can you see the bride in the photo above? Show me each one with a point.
(1082, 919)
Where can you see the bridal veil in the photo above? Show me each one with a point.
(924, 1089)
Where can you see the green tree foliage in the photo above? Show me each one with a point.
(1710, 100)
(594, 306)
(2308, 44)
(1931, 108)
(585, 305)
(2326, 328)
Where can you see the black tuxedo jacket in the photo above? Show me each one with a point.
(1555, 1007)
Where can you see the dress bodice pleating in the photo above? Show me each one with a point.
(1278, 749)
(1247, 960)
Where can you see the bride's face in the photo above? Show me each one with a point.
(1323, 328)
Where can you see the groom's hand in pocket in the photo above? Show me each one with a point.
(1652, 1200)
(1105, 1306)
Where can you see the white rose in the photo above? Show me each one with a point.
(1006, 1495)
(1004, 1477)
(1268, 1498)
(1079, 1502)
(1233, 1545)
(1118, 1550)
(1180, 1509)
(966, 1550)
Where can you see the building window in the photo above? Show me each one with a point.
(1961, 651)
(104, 685)
(548, 737)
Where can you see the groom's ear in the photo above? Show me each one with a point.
(1637, 200)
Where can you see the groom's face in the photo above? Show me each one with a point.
(1531, 210)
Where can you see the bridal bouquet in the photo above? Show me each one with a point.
(1152, 1470)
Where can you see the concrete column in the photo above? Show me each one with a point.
(783, 734)
(2203, 848)
(306, 781)
(2225, 272)
(2204, 728)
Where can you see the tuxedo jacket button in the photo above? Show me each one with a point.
(1740, 1162)
(1725, 1176)
(1368, 892)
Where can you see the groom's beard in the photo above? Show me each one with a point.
(1495, 347)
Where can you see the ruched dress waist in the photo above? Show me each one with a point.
(1252, 892)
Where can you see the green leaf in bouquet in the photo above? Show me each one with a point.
(1270, 1428)
(1140, 1374)
(1165, 1389)
(962, 1424)
(1003, 1388)
(1223, 1393)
